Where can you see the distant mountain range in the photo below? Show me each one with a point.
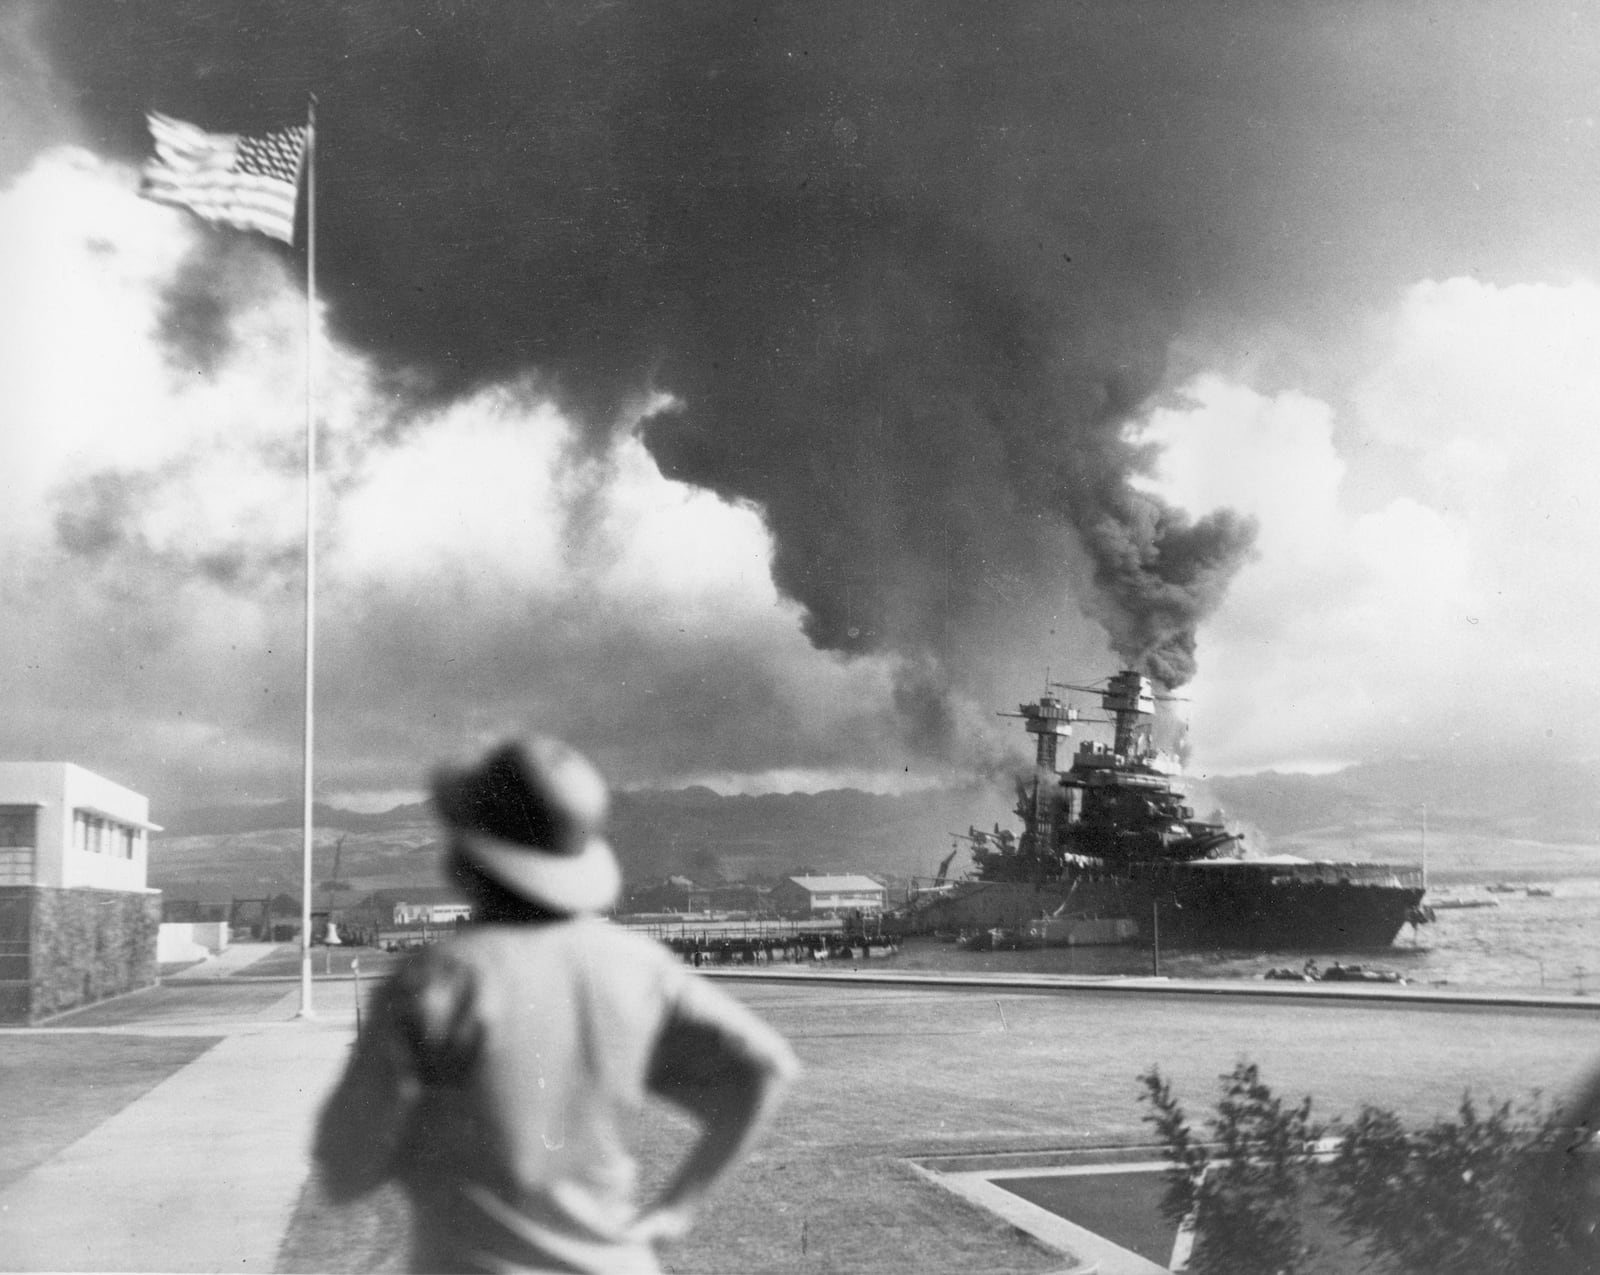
(233, 820)
(1481, 823)
(695, 832)
(1550, 803)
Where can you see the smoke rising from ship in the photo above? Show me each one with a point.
(903, 303)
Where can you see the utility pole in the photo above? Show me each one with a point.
(1424, 845)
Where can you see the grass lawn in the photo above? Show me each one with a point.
(897, 1073)
(178, 1006)
(56, 1088)
(325, 962)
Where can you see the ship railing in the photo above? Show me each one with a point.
(1311, 872)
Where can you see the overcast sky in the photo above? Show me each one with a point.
(767, 397)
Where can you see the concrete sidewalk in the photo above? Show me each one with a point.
(203, 1172)
(229, 961)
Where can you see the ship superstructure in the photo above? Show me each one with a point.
(1112, 835)
(1118, 802)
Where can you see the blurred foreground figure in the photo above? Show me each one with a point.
(501, 1070)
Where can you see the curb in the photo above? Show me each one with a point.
(1115, 985)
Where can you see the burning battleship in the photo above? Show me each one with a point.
(1110, 845)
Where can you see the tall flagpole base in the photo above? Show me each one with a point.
(305, 1010)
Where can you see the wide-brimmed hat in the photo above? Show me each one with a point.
(529, 815)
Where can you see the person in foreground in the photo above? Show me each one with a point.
(501, 1070)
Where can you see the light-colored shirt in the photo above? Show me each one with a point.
(498, 1078)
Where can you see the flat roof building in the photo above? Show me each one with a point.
(828, 896)
(78, 921)
(68, 828)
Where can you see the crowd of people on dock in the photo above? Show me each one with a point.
(793, 949)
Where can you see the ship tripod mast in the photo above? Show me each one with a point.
(1049, 721)
(1131, 699)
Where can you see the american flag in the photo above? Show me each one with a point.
(247, 182)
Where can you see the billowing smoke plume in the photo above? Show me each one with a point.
(904, 271)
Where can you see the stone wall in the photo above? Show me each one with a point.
(60, 949)
(16, 952)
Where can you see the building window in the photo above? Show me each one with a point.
(95, 834)
(18, 843)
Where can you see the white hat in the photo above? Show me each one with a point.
(529, 816)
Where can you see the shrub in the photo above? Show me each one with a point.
(1491, 1191)
(1448, 1198)
(1246, 1197)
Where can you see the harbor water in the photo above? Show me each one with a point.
(1512, 940)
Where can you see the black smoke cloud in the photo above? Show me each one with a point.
(906, 269)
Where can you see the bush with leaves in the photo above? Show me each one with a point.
(1246, 1190)
(1448, 1198)
(1489, 1192)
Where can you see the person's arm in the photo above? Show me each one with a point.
(364, 1119)
(728, 1070)
(420, 1026)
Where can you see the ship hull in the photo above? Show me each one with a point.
(1217, 905)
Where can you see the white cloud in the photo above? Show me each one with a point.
(1270, 457)
(473, 491)
(675, 541)
(79, 254)
(1453, 610)
(1495, 395)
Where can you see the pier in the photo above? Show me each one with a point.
(712, 940)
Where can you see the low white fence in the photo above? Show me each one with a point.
(190, 940)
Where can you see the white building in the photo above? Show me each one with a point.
(78, 921)
(64, 827)
(828, 896)
(447, 913)
(410, 907)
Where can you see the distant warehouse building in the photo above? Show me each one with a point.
(77, 921)
(820, 898)
(400, 915)
(434, 911)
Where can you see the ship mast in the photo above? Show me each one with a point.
(1049, 721)
(1130, 699)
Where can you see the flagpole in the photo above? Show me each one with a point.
(306, 831)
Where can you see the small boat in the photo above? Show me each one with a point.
(1442, 905)
(1337, 973)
